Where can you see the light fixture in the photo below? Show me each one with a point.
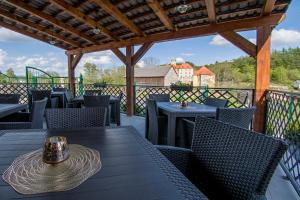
(53, 42)
(96, 31)
(183, 8)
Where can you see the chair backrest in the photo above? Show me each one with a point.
(93, 92)
(41, 94)
(220, 103)
(121, 96)
(10, 98)
(236, 163)
(37, 113)
(153, 121)
(59, 89)
(76, 117)
(160, 97)
(241, 117)
(96, 101)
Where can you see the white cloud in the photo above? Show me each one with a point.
(219, 41)
(141, 63)
(7, 35)
(187, 54)
(98, 58)
(179, 60)
(284, 38)
(3, 56)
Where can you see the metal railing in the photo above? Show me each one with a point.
(283, 121)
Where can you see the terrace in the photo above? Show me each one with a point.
(82, 27)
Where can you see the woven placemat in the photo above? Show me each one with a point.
(28, 174)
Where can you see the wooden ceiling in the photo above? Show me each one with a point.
(72, 23)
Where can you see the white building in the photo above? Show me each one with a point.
(184, 71)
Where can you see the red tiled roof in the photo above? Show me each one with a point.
(203, 71)
(182, 66)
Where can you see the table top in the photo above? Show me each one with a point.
(132, 168)
(112, 98)
(7, 109)
(174, 107)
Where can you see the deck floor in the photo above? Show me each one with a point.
(279, 189)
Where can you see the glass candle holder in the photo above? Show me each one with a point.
(56, 150)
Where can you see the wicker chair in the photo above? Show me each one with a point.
(157, 124)
(23, 120)
(160, 97)
(220, 103)
(241, 117)
(41, 94)
(99, 101)
(228, 162)
(59, 89)
(75, 117)
(93, 92)
(10, 98)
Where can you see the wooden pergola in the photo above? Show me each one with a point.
(84, 26)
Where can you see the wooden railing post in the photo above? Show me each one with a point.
(262, 82)
(130, 80)
(73, 60)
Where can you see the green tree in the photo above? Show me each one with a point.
(91, 73)
(10, 73)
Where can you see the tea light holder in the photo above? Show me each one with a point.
(56, 150)
(184, 104)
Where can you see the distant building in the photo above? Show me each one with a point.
(156, 76)
(184, 71)
(204, 77)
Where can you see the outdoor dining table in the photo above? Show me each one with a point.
(132, 168)
(173, 111)
(115, 108)
(7, 109)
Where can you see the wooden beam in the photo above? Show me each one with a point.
(36, 12)
(130, 99)
(268, 7)
(160, 13)
(141, 52)
(37, 27)
(75, 12)
(119, 54)
(262, 81)
(71, 74)
(240, 42)
(239, 25)
(211, 10)
(118, 15)
(29, 34)
(76, 60)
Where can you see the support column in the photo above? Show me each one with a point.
(262, 82)
(71, 74)
(129, 80)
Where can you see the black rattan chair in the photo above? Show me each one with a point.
(241, 117)
(37, 95)
(75, 117)
(220, 103)
(23, 120)
(59, 89)
(157, 124)
(98, 101)
(93, 92)
(228, 162)
(160, 97)
(10, 98)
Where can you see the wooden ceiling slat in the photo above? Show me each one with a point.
(238, 25)
(211, 10)
(268, 7)
(29, 34)
(24, 6)
(161, 14)
(75, 12)
(117, 14)
(38, 27)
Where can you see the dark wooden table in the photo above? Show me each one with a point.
(115, 108)
(7, 109)
(173, 110)
(132, 168)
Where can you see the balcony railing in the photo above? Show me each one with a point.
(282, 111)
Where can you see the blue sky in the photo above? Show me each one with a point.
(17, 51)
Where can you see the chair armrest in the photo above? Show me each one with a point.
(16, 117)
(180, 157)
(54, 102)
(15, 125)
(189, 122)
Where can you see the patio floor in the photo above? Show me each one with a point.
(280, 187)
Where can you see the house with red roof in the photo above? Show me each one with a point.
(185, 72)
(204, 77)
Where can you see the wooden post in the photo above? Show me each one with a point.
(71, 74)
(129, 80)
(73, 60)
(262, 82)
